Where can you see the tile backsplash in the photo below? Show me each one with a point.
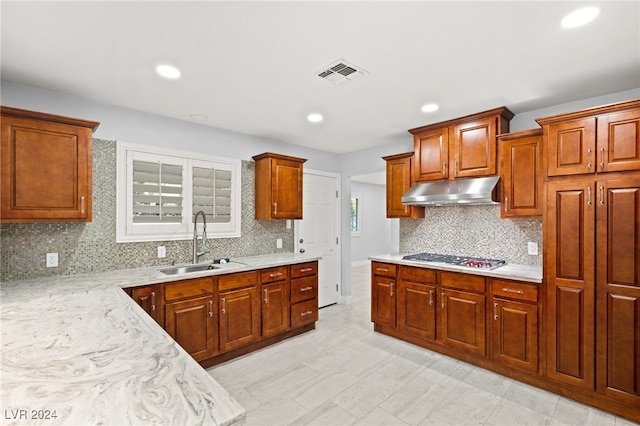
(91, 246)
(473, 231)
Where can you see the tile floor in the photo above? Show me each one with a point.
(343, 373)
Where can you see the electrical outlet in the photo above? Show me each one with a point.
(52, 260)
(532, 248)
(162, 251)
(279, 243)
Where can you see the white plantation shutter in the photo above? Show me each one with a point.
(212, 193)
(160, 190)
(157, 192)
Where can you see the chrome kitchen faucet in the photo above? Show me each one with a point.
(197, 254)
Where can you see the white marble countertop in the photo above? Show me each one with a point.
(509, 271)
(79, 346)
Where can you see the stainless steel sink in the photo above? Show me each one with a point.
(189, 268)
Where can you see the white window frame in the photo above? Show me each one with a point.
(127, 231)
(358, 231)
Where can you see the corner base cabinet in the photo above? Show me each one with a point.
(220, 317)
(45, 167)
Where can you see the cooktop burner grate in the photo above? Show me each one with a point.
(468, 261)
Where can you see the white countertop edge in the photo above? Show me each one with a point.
(509, 271)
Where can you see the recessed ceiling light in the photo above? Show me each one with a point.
(580, 17)
(430, 107)
(315, 118)
(167, 71)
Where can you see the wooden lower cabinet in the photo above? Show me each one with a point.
(275, 308)
(150, 299)
(383, 294)
(239, 317)
(463, 321)
(192, 324)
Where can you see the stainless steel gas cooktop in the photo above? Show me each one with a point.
(470, 262)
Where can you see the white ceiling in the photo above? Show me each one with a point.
(252, 67)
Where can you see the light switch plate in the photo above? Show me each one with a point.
(532, 248)
(162, 251)
(52, 260)
(279, 243)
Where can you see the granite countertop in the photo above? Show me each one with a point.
(509, 271)
(79, 347)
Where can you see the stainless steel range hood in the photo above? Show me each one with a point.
(464, 192)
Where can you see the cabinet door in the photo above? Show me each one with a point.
(569, 271)
(417, 309)
(399, 180)
(474, 148)
(149, 298)
(239, 317)
(463, 321)
(618, 288)
(571, 147)
(431, 155)
(522, 178)
(286, 189)
(275, 308)
(383, 300)
(514, 334)
(619, 141)
(192, 325)
(46, 171)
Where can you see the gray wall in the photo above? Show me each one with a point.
(377, 230)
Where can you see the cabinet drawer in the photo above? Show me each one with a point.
(274, 274)
(514, 290)
(415, 274)
(304, 288)
(189, 288)
(304, 312)
(242, 279)
(304, 269)
(384, 269)
(463, 281)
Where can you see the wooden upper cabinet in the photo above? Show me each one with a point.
(46, 167)
(399, 180)
(618, 138)
(431, 151)
(520, 168)
(278, 186)
(602, 139)
(464, 147)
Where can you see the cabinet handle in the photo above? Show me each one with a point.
(306, 289)
(589, 158)
(602, 158)
(153, 300)
(224, 305)
(444, 305)
(275, 209)
(382, 269)
(302, 314)
(306, 269)
(601, 195)
(495, 311)
(508, 290)
(211, 308)
(455, 171)
(430, 297)
(444, 168)
(391, 288)
(275, 275)
(266, 296)
(82, 204)
(506, 204)
(589, 196)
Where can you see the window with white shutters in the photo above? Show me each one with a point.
(159, 192)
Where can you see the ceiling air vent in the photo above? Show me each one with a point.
(341, 71)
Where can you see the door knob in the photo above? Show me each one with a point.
(301, 250)
(301, 241)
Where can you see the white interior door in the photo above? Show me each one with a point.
(317, 232)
